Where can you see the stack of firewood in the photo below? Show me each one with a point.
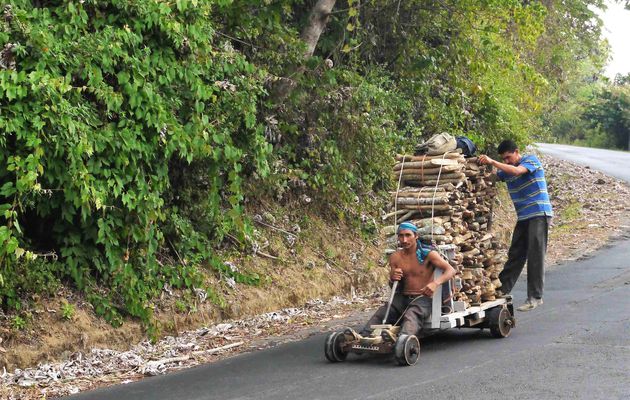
(450, 199)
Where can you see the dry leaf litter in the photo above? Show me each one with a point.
(600, 207)
(104, 366)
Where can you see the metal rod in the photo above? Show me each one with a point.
(391, 299)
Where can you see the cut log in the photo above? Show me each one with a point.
(441, 207)
(431, 181)
(406, 216)
(431, 169)
(422, 201)
(392, 214)
(437, 238)
(426, 193)
(415, 174)
(450, 155)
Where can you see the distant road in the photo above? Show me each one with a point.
(613, 163)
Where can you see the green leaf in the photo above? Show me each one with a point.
(123, 77)
(7, 190)
(10, 245)
(5, 233)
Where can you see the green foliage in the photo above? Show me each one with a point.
(133, 132)
(106, 99)
(572, 211)
(67, 311)
(598, 118)
(25, 277)
(369, 229)
(18, 323)
(180, 306)
(345, 145)
(609, 112)
(460, 64)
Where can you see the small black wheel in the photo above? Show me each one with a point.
(407, 350)
(333, 347)
(500, 322)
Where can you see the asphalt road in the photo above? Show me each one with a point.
(613, 163)
(575, 346)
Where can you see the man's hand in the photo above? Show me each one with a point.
(485, 160)
(429, 289)
(396, 274)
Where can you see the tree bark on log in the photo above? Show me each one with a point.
(432, 170)
(450, 155)
(421, 201)
(412, 189)
(437, 207)
(426, 193)
(416, 174)
(405, 217)
(436, 162)
(432, 181)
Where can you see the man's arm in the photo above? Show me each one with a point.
(395, 273)
(507, 168)
(448, 272)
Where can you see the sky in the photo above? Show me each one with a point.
(617, 31)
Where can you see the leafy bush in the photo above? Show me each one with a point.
(25, 277)
(67, 311)
(106, 98)
(18, 323)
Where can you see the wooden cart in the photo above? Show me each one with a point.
(496, 315)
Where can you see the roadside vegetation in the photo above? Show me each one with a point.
(569, 216)
(597, 114)
(141, 138)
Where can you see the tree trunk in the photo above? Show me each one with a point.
(317, 20)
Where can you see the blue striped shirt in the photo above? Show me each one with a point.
(528, 191)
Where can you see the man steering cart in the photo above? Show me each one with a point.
(413, 266)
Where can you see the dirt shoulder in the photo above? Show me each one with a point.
(591, 209)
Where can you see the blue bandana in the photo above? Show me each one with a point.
(421, 252)
(407, 225)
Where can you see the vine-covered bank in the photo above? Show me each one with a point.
(135, 132)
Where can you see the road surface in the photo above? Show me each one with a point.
(575, 346)
(613, 163)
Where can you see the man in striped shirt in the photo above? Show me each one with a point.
(525, 179)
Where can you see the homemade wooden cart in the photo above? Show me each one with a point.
(496, 315)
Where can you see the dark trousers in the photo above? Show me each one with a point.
(529, 243)
(418, 310)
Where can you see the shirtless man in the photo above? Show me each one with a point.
(413, 267)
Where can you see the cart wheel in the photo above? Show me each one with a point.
(500, 322)
(333, 348)
(407, 350)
